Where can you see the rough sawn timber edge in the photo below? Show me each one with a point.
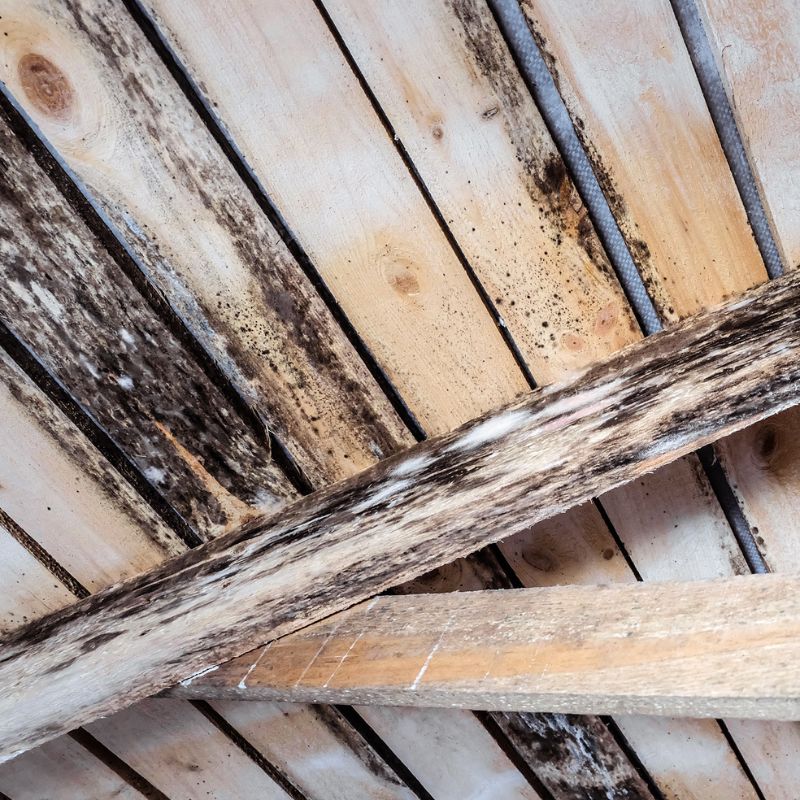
(688, 648)
(652, 403)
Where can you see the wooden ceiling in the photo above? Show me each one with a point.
(252, 248)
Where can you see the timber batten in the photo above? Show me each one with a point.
(442, 499)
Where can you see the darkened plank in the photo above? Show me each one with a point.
(66, 298)
(159, 176)
(496, 476)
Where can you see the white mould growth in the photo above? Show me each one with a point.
(491, 430)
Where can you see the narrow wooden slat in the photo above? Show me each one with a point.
(65, 297)
(159, 176)
(449, 86)
(356, 210)
(675, 649)
(757, 50)
(629, 84)
(441, 500)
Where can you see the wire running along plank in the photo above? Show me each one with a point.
(637, 106)
(623, 69)
(460, 154)
(676, 649)
(98, 91)
(616, 421)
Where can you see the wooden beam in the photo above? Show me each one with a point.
(444, 498)
(691, 649)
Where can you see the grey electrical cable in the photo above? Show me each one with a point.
(541, 85)
(705, 66)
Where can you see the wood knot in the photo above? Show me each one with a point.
(437, 132)
(400, 276)
(46, 86)
(766, 445)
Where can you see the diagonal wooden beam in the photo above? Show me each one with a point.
(494, 477)
(700, 649)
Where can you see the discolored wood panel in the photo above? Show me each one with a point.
(626, 77)
(335, 176)
(449, 86)
(124, 127)
(617, 421)
(68, 300)
(756, 46)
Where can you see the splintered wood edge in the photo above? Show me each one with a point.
(655, 401)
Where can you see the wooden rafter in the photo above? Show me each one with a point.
(494, 477)
(679, 649)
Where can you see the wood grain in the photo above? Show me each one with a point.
(757, 49)
(448, 84)
(133, 139)
(690, 649)
(628, 82)
(336, 177)
(496, 476)
(67, 299)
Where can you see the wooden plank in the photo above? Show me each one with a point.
(674, 649)
(449, 86)
(630, 87)
(159, 176)
(500, 184)
(189, 219)
(758, 57)
(620, 419)
(356, 210)
(62, 770)
(340, 765)
(67, 299)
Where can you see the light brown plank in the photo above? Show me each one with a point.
(676, 649)
(757, 50)
(355, 209)
(127, 131)
(441, 500)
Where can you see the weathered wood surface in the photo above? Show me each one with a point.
(692, 649)
(61, 770)
(69, 501)
(628, 82)
(444, 498)
(449, 86)
(356, 209)
(757, 50)
(67, 299)
(317, 109)
(125, 128)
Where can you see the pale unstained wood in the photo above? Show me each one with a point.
(757, 50)
(676, 649)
